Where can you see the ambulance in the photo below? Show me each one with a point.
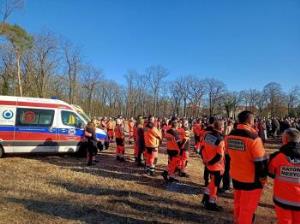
(36, 125)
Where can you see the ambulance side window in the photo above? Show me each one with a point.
(71, 119)
(34, 117)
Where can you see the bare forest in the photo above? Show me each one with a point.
(47, 65)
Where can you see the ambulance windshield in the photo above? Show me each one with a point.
(80, 111)
(84, 116)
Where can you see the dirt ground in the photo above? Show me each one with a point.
(62, 189)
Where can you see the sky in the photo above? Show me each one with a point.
(246, 44)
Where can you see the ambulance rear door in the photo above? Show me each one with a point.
(7, 127)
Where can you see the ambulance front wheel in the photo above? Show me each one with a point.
(1, 151)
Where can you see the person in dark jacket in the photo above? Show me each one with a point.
(91, 142)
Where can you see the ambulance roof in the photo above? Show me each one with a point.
(34, 100)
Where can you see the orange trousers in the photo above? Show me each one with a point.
(215, 179)
(172, 165)
(120, 150)
(285, 216)
(183, 160)
(151, 158)
(110, 134)
(245, 204)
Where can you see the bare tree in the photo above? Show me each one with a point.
(46, 57)
(196, 93)
(231, 100)
(91, 77)
(9, 6)
(72, 56)
(293, 98)
(175, 92)
(274, 96)
(7, 66)
(215, 90)
(155, 75)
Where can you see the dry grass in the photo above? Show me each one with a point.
(61, 189)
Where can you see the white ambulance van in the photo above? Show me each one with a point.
(36, 125)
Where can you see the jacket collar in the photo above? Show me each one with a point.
(246, 127)
(291, 149)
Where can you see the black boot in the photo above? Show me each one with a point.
(172, 179)
(165, 176)
(213, 207)
(183, 174)
(205, 199)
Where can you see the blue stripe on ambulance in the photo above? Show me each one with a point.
(60, 131)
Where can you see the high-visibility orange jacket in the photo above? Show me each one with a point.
(284, 167)
(184, 135)
(197, 129)
(247, 158)
(119, 131)
(110, 125)
(130, 126)
(173, 140)
(203, 133)
(213, 151)
(152, 136)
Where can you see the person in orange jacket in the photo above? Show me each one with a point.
(248, 167)
(110, 130)
(184, 134)
(284, 167)
(197, 130)
(226, 176)
(139, 143)
(152, 138)
(213, 158)
(209, 128)
(174, 145)
(120, 140)
(130, 130)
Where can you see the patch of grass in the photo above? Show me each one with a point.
(62, 189)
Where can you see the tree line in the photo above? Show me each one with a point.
(46, 65)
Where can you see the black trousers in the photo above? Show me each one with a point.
(226, 177)
(92, 150)
(206, 176)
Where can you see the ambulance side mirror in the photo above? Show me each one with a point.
(80, 125)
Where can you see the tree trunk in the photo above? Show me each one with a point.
(19, 75)
(210, 105)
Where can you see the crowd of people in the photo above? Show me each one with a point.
(232, 152)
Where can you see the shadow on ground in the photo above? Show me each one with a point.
(84, 213)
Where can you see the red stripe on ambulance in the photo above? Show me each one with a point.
(34, 104)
